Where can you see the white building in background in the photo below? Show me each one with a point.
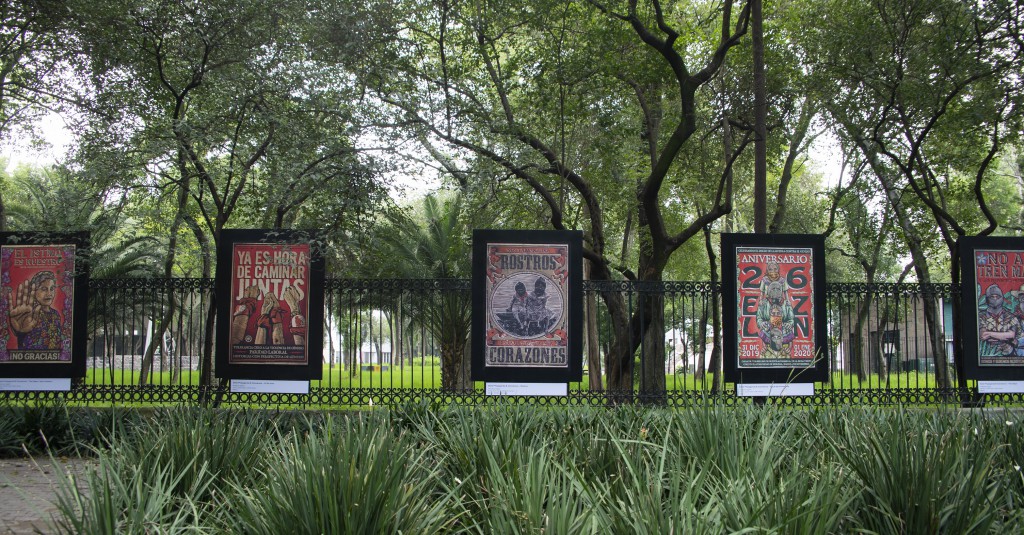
(680, 352)
(370, 353)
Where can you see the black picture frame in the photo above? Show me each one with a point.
(503, 338)
(981, 266)
(72, 367)
(230, 365)
(804, 286)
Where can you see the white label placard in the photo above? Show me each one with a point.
(42, 384)
(267, 386)
(774, 389)
(1000, 387)
(527, 389)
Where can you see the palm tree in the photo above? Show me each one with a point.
(437, 249)
(54, 200)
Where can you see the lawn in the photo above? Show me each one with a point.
(417, 376)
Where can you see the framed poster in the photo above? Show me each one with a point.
(773, 303)
(992, 307)
(270, 301)
(527, 306)
(43, 304)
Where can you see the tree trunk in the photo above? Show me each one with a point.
(716, 316)
(938, 342)
(700, 345)
(158, 339)
(206, 357)
(397, 349)
(860, 359)
(466, 370)
(760, 119)
(109, 348)
(652, 361)
(592, 341)
(620, 355)
(913, 241)
(206, 353)
(176, 360)
(958, 349)
(172, 249)
(350, 361)
(453, 376)
(931, 318)
(796, 147)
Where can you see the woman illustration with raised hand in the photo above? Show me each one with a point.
(34, 321)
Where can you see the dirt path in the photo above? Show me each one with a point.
(28, 492)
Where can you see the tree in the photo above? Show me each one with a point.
(510, 84)
(57, 200)
(927, 91)
(31, 56)
(436, 248)
(760, 120)
(214, 104)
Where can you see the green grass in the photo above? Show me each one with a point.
(409, 376)
(420, 377)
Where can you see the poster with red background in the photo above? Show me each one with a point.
(999, 302)
(37, 293)
(270, 286)
(775, 307)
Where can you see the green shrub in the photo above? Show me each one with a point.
(11, 438)
(351, 476)
(515, 469)
(231, 446)
(44, 427)
(122, 498)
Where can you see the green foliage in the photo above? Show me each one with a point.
(32, 56)
(123, 498)
(434, 246)
(11, 439)
(169, 470)
(43, 426)
(509, 469)
(922, 91)
(54, 428)
(351, 475)
(195, 445)
(922, 473)
(58, 200)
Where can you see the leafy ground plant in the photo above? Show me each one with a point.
(124, 498)
(350, 476)
(513, 469)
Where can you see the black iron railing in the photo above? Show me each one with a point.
(148, 339)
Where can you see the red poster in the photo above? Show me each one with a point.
(999, 275)
(775, 307)
(36, 295)
(270, 303)
(527, 289)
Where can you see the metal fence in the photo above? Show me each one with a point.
(147, 338)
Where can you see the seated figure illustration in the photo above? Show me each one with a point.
(527, 314)
(776, 322)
